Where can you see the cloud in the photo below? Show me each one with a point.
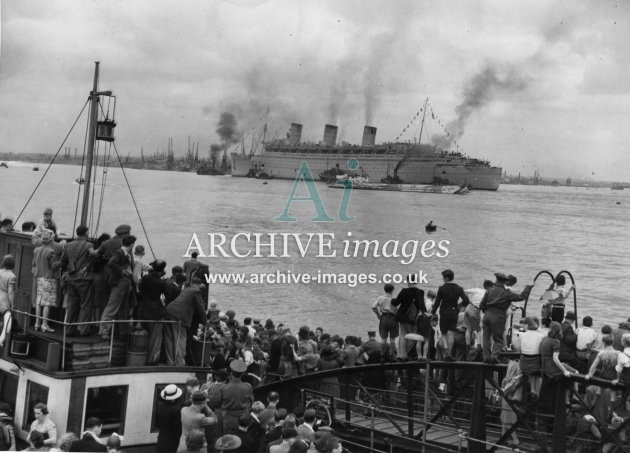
(176, 69)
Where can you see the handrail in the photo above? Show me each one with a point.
(120, 321)
(113, 323)
(460, 406)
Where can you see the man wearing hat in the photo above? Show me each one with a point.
(371, 349)
(76, 261)
(108, 247)
(229, 442)
(236, 397)
(196, 416)
(150, 307)
(494, 305)
(120, 267)
(169, 419)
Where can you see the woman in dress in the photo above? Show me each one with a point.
(45, 265)
(553, 371)
(329, 361)
(528, 344)
(44, 425)
(8, 285)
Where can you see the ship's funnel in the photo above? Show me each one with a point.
(295, 134)
(330, 135)
(369, 136)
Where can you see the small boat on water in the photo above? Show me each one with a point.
(79, 181)
(258, 173)
(3, 165)
(35, 168)
(364, 183)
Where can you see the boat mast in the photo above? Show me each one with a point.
(90, 152)
(424, 112)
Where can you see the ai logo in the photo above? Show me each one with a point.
(322, 216)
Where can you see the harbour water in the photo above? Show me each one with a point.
(518, 230)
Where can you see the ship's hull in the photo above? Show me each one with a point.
(412, 170)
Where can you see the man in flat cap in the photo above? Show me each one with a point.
(76, 262)
(120, 267)
(236, 397)
(494, 305)
(107, 250)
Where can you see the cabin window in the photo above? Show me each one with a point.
(156, 400)
(8, 389)
(35, 393)
(110, 405)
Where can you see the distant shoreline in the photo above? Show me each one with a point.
(185, 165)
(137, 163)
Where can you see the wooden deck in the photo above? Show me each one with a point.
(438, 434)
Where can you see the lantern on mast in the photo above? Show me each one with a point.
(105, 127)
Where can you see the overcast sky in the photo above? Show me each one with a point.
(534, 85)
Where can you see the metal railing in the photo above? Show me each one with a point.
(456, 419)
(66, 325)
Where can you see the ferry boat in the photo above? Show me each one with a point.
(408, 163)
(80, 377)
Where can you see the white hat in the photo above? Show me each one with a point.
(171, 392)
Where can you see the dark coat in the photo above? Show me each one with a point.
(151, 288)
(406, 297)
(256, 435)
(169, 424)
(186, 305)
(116, 266)
(87, 443)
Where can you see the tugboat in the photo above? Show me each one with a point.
(80, 377)
(258, 172)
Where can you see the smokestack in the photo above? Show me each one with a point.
(369, 136)
(295, 134)
(330, 135)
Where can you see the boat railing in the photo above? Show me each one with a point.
(65, 326)
(409, 411)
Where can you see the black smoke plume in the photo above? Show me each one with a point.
(226, 129)
(491, 82)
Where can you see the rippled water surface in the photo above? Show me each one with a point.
(518, 229)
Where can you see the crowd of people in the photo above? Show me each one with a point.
(108, 280)
(43, 435)
(221, 415)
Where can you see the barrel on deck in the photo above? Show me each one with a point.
(137, 352)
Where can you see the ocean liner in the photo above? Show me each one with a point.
(409, 163)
